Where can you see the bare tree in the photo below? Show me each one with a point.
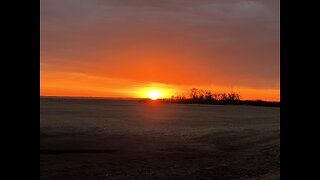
(223, 97)
(233, 96)
(201, 94)
(208, 95)
(194, 93)
(216, 96)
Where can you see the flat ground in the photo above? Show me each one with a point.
(124, 139)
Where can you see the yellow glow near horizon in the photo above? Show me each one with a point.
(54, 83)
(148, 90)
(154, 94)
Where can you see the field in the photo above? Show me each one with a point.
(125, 139)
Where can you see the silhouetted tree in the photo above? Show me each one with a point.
(194, 93)
(201, 95)
(216, 96)
(208, 95)
(223, 97)
(233, 96)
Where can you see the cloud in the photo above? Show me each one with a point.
(227, 42)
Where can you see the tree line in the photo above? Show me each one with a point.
(207, 95)
(201, 96)
(197, 96)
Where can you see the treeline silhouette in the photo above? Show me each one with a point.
(208, 97)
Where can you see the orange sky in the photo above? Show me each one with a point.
(123, 48)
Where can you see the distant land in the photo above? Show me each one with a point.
(201, 96)
(177, 101)
(217, 102)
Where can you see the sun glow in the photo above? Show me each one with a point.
(154, 94)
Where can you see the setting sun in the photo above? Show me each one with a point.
(154, 94)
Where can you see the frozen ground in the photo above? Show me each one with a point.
(124, 139)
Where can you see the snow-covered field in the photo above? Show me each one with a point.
(125, 139)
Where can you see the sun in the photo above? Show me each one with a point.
(154, 94)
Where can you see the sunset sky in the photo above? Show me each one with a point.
(124, 48)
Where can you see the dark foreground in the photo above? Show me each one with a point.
(119, 139)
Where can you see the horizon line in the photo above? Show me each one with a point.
(129, 98)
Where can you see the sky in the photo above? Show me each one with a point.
(124, 48)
